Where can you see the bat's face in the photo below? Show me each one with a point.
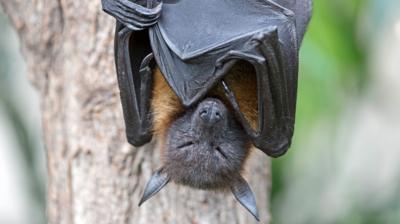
(205, 147)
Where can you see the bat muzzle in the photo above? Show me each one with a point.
(210, 113)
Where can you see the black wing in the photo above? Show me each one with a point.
(195, 43)
(135, 82)
(274, 55)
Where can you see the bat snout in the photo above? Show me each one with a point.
(210, 112)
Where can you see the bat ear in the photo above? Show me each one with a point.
(245, 196)
(157, 181)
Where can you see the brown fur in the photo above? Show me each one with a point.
(166, 106)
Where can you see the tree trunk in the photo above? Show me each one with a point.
(94, 175)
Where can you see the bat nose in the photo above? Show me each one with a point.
(211, 112)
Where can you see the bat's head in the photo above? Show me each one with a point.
(205, 147)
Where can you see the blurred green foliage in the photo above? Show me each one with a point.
(332, 67)
(333, 72)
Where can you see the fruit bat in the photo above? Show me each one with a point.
(210, 79)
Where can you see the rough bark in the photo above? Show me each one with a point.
(94, 175)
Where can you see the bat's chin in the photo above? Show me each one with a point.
(206, 147)
(201, 166)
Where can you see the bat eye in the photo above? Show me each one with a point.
(186, 144)
(220, 151)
